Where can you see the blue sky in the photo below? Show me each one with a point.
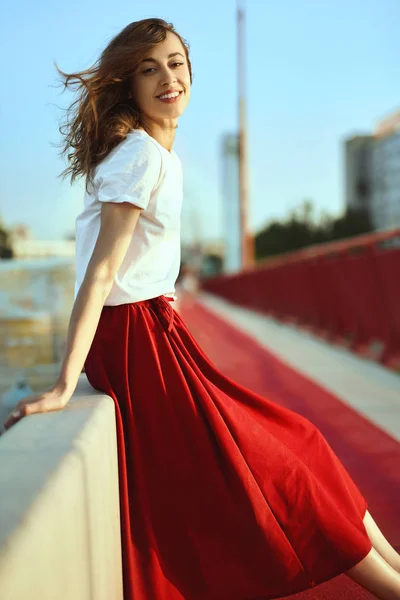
(317, 73)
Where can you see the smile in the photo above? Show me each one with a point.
(170, 98)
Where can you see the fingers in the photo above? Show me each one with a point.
(21, 410)
(14, 417)
(37, 403)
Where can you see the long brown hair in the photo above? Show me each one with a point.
(104, 113)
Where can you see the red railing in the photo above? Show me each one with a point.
(346, 291)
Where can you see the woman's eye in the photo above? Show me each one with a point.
(151, 68)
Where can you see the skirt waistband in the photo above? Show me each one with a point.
(164, 310)
(161, 306)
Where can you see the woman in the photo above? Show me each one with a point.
(223, 493)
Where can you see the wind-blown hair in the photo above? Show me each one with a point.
(104, 111)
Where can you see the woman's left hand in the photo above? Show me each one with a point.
(53, 399)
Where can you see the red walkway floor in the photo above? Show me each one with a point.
(371, 456)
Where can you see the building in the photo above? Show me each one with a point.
(372, 173)
(27, 249)
(231, 203)
(358, 171)
(385, 201)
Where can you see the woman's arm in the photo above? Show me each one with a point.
(118, 221)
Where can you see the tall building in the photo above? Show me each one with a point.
(358, 171)
(385, 202)
(231, 203)
(372, 173)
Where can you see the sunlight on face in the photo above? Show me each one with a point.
(165, 68)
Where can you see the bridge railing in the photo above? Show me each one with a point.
(346, 291)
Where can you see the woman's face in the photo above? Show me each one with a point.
(158, 73)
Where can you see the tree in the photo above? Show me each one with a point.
(6, 250)
(301, 229)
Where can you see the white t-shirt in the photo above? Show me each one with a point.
(141, 171)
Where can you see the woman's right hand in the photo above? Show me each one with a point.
(53, 399)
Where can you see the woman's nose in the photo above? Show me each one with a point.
(169, 80)
(168, 76)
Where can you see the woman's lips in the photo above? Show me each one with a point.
(171, 100)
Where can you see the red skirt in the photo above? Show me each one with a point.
(224, 495)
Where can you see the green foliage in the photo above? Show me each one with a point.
(6, 250)
(301, 229)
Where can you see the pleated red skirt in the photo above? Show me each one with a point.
(224, 495)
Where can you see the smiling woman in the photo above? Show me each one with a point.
(165, 84)
(223, 493)
(120, 93)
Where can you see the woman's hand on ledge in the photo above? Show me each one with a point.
(53, 399)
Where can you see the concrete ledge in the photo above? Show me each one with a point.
(59, 503)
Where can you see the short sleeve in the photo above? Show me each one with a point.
(129, 173)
